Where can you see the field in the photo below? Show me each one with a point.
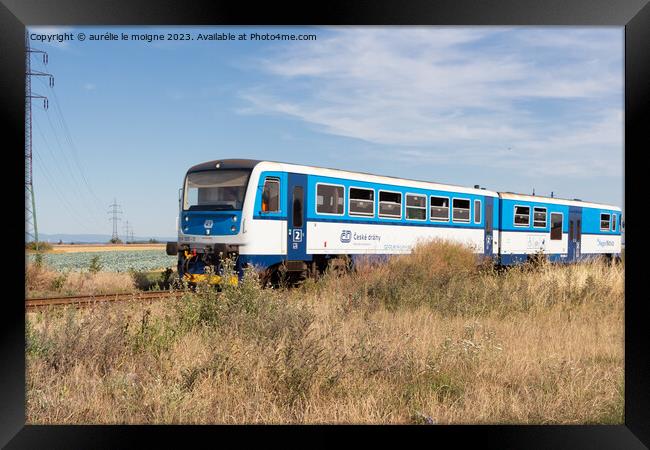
(111, 260)
(426, 338)
(78, 248)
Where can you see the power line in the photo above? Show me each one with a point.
(65, 203)
(61, 175)
(77, 185)
(67, 136)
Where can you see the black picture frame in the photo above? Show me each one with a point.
(634, 15)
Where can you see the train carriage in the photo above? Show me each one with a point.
(303, 219)
(563, 230)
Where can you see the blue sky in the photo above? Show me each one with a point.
(511, 109)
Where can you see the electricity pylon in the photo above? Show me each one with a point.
(30, 199)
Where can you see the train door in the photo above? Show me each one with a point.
(296, 227)
(488, 233)
(575, 232)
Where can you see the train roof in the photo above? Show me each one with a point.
(225, 164)
(556, 200)
(334, 173)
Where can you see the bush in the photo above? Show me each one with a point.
(423, 276)
(95, 265)
(38, 259)
(59, 282)
(38, 246)
(245, 307)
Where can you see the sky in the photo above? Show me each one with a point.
(509, 108)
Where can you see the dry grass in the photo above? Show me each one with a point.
(425, 338)
(42, 281)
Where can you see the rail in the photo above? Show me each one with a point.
(87, 300)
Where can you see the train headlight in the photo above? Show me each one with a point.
(233, 228)
(187, 218)
(234, 218)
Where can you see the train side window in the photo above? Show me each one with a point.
(477, 211)
(460, 210)
(604, 222)
(271, 195)
(390, 204)
(556, 226)
(416, 207)
(440, 209)
(362, 202)
(613, 222)
(522, 216)
(539, 217)
(329, 199)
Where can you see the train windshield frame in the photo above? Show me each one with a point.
(215, 190)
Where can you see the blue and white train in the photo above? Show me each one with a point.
(301, 219)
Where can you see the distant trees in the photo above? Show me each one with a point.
(40, 246)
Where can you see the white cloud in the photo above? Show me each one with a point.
(89, 86)
(443, 94)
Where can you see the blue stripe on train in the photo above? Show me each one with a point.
(519, 258)
(395, 223)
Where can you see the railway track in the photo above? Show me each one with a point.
(87, 300)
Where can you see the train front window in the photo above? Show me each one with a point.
(214, 190)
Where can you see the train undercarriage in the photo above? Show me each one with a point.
(211, 263)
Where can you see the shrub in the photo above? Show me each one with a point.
(420, 277)
(59, 282)
(38, 259)
(95, 264)
(38, 246)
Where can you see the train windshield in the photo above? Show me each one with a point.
(214, 190)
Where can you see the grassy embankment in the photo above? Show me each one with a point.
(428, 337)
(44, 281)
